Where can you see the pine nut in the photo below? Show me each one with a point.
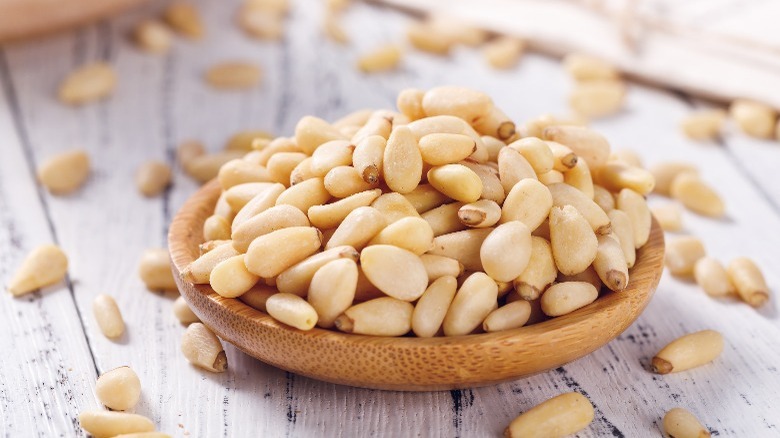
(380, 59)
(462, 246)
(332, 290)
(384, 316)
(152, 178)
(44, 266)
(574, 245)
(445, 219)
(432, 306)
(107, 424)
(185, 19)
(409, 102)
(118, 389)
(260, 203)
(505, 252)
(588, 276)
(509, 316)
(64, 173)
(480, 214)
(248, 140)
(464, 103)
(616, 176)
(203, 349)
(557, 417)
(712, 277)
(668, 216)
(240, 195)
(275, 218)
(753, 118)
(540, 271)
(108, 317)
(703, 125)
(439, 266)
(529, 202)
(205, 167)
(208, 245)
(456, 181)
(635, 206)
(358, 228)
(258, 296)
(235, 75)
(603, 198)
(395, 271)
(551, 177)
(580, 178)
(230, 278)
(583, 67)
(493, 147)
(473, 302)
(343, 181)
(331, 154)
(628, 157)
(296, 279)
(697, 196)
(562, 298)
(624, 231)
(260, 23)
(183, 313)
(379, 123)
(682, 253)
(88, 83)
(597, 98)
(564, 194)
(423, 37)
(279, 144)
(305, 194)
(216, 228)
(311, 132)
(492, 188)
(394, 207)
(512, 168)
(503, 52)
(331, 215)
(402, 161)
(187, 150)
(666, 172)
(495, 123)
(456, 30)
(155, 270)
(367, 157)
(689, 351)
(281, 165)
(749, 281)
(413, 234)
(610, 263)
(239, 171)
(302, 172)
(442, 148)
(563, 157)
(585, 142)
(425, 197)
(536, 152)
(679, 423)
(199, 271)
(270, 254)
(152, 36)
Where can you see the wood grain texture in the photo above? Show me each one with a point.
(162, 100)
(409, 363)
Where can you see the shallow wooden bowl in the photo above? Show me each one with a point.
(408, 363)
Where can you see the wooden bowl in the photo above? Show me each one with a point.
(409, 363)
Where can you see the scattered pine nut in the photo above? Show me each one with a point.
(107, 424)
(703, 125)
(753, 118)
(689, 351)
(713, 278)
(152, 178)
(108, 317)
(380, 59)
(503, 52)
(185, 19)
(155, 270)
(234, 75)
(554, 418)
(118, 389)
(88, 83)
(680, 423)
(749, 281)
(697, 196)
(665, 173)
(43, 266)
(583, 67)
(153, 36)
(668, 215)
(65, 173)
(682, 253)
(205, 167)
(183, 313)
(597, 98)
(203, 349)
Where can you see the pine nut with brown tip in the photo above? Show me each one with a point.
(689, 351)
(108, 316)
(384, 316)
(495, 123)
(610, 263)
(480, 214)
(118, 389)
(554, 418)
(680, 423)
(368, 158)
(580, 178)
(343, 181)
(203, 349)
(749, 281)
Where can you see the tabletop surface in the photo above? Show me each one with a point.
(52, 349)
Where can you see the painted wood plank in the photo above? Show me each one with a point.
(306, 75)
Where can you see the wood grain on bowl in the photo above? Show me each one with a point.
(408, 363)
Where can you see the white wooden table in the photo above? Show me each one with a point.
(51, 350)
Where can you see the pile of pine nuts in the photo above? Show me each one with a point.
(436, 219)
